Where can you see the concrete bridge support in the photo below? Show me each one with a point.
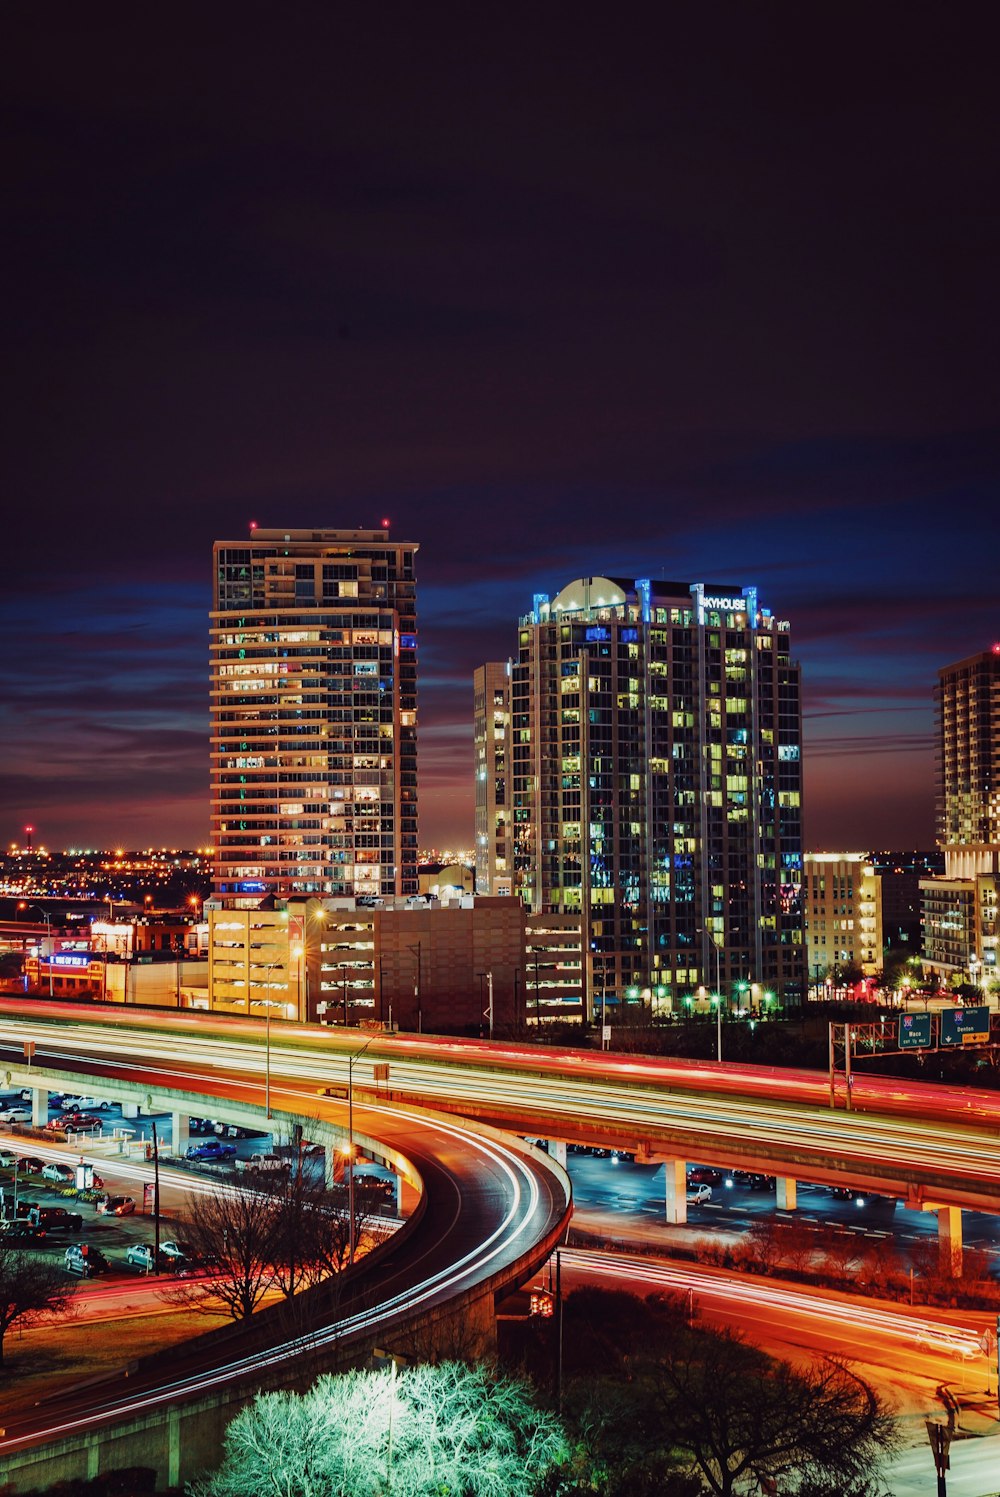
(39, 1107)
(675, 1192)
(181, 1135)
(786, 1193)
(557, 1151)
(950, 1240)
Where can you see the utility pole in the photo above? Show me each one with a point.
(156, 1200)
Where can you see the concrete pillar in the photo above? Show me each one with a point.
(181, 1137)
(39, 1107)
(950, 1240)
(174, 1447)
(399, 1193)
(786, 1193)
(557, 1151)
(675, 1181)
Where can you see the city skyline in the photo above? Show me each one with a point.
(723, 310)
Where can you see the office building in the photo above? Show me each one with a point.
(491, 738)
(314, 715)
(422, 965)
(657, 786)
(843, 916)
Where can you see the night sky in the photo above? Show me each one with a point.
(709, 296)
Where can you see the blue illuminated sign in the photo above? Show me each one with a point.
(70, 959)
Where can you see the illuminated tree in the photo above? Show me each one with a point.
(29, 1289)
(420, 1432)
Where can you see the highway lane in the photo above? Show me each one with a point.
(955, 1162)
(487, 1207)
(909, 1355)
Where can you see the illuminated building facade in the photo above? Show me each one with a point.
(491, 737)
(423, 965)
(657, 785)
(968, 703)
(314, 715)
(960, 939)
(843, 910)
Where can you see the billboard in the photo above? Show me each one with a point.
(965, 1026)
(914, 1031)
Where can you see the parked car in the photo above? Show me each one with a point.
(84, 1104)
(55, 1219)
(85, 1260)
(81, 1122)
(699, 1194)
(21, 1230)
(704, 1174)
(211, 1149)
(15, 1114)
(61, 1174)
(842, 1193)
(8, 1159)
(184, 1252)
(116, 1206)
(141, 1255)
(32, 1165)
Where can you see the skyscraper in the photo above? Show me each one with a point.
(961, 923)
(491, 738)
(314, 715)
(968, 702)
(657, 785)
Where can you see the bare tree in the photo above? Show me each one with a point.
(234, 1232)
(30, 1289)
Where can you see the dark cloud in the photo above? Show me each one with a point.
(700, 295)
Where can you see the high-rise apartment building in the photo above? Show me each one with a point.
(961, 936)
(657, 785)
(968, 702)
(843, 910)
(314, 715)
(491, 739)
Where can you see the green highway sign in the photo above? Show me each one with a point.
(965, 1026)
(914, 1031)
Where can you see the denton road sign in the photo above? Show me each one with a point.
(965, 1026)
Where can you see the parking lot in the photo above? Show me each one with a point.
(106, 1213)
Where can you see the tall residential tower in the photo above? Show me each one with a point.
(314, 715)
(657, 785)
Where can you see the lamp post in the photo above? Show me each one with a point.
(267, 1004)
(354, 1055)
(718, 992)
(48, 936)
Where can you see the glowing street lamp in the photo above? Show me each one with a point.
(355, 1055)
(48, 929)
(267, 1004)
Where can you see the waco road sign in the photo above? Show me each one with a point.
(914, 1031)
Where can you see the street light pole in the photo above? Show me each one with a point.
(48, 935)
(718, 993)
(355, 1055)
(267, 1005)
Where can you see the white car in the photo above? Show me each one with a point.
(61, 1174)
(83, 1104)
(699, 1194)
(15, 1115)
